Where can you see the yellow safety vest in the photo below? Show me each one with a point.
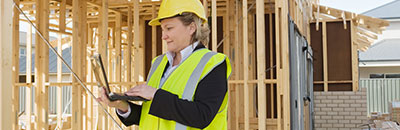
(188, 73)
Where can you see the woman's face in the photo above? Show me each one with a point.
(176, 35)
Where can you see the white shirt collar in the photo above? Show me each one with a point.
(185, 53)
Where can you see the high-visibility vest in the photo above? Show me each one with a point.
(183, 82)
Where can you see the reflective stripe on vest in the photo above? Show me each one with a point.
(192, 83)
(155, 65)
(200, 63)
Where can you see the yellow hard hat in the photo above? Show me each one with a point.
(170, 8)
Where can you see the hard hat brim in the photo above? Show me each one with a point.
(156, 21)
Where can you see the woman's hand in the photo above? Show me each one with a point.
(142, 90)
(119, 104)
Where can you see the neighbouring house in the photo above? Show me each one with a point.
(382, 59)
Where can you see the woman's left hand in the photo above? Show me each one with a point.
(142, 90)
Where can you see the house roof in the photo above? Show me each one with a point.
(385, 50)
(23, 38)
(390, 10)
(66, 54)
(52, 57)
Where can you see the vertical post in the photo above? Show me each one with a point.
(205, 4)
(285, 73)
(42, 63)
(261, 64)
(227, 51)
(117, 36)
(325, 55)
(245, 66)
(127, 57)
(59, 63)
(118, 33)
(28, 108)
(354, 57)
(237, 62)
(78, 51)
(102, 49)
(214, 25)
(142, 48)
(15, 64)
(278, 11)
(154, 34)
(5, 58)
(89, 77)
(136, 39)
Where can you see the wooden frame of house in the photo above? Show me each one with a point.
(118, 30)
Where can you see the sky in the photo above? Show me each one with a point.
(355, 6)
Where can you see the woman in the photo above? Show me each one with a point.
(187, 86)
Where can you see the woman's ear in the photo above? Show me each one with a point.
(192, 28)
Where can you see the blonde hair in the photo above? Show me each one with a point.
(202, 32)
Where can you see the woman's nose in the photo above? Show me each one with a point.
(164, 36)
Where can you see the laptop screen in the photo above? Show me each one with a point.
(99, 72)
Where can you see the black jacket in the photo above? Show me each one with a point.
(198, 113)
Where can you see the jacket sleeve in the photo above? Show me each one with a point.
(201, 111)
(134, 116)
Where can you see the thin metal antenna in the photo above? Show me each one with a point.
(65, 63)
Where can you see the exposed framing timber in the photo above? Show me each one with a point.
(15, 64)
(245, 66)
(154, 35)
(354, 57)
(28, 99)
(136, 40)
(102, 49)
(41, 67)
(62, 26)
(325, 55)
(78, 50)
(261, 64)
(214, 25)
(6, 69)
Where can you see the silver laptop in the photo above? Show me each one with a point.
(101, 78)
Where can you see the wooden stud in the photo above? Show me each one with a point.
(325, 55)
(236, 66)
(15, 64)
(261, 64)
(252, 64)
(89, 78)
(28, 99)
(285, 66)
(59, 63)
(136, 39)
(245, 66)
(153, 35)
(228, 44)
(278, 32)
(214, 25)
(6, 69)
(118, 50)
(354, 57)
(79, 34)
(127, 56)
(41, 65)
(142, 48)
(102, 49)
(205, 4)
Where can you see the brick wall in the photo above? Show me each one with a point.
(340, 110)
